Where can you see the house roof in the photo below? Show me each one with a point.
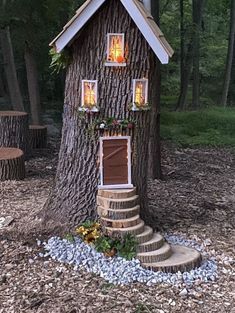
(138, 13)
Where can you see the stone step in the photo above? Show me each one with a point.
(182, 259)
(157, 255)
(134, 230)
(154, 244)
(117, 193)
(118, 204)
(146, 235)
(124, 223)
(118, 214)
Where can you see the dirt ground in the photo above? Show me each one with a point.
(196, 200)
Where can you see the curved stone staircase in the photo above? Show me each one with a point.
(119, 212)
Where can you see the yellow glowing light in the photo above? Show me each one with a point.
(116, 49)
(89, 94)
(139, 93)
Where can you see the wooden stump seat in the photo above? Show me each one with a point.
(14, 130)
(37, 136)
(12, 165)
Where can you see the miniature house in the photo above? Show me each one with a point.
(114, 60)
(109, 92)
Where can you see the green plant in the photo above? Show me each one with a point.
(69, 237)
(89, 231)
(59, 61)
(139, 107)
(126, 247)
(106, 245)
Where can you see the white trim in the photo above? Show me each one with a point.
(77, 24)
(146, 81)
(146, 30)
(83, 107)
(66, 36)
(114, 64)
(126, 186)
(118, 186)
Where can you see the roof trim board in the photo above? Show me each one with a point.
(86, 11)
(142, 18)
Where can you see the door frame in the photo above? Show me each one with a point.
(118, 186)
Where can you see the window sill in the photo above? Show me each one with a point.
(115, 64)
(94, 110)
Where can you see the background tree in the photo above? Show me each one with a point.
(155, 139)
(9, 61)
(197, 21)
(230, 55)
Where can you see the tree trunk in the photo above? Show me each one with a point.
(155, 170)
(230, 54)
(187, 68)
(14, 130)
(33, 87)
(12, 165)
(232, 83)
(73, 198)
(37, 137)
(182, 53)
(197, 20)
(2, 85)
(10, 69)
(186, 59)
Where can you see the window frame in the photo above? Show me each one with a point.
(83, 106)
(135, 81)
(111, 63)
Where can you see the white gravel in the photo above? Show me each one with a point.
(119, 271)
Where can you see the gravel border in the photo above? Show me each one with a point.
(119, 271)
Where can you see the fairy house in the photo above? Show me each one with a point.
(114, 44)
(109, 91)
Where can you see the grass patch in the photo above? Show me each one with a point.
(214, 126)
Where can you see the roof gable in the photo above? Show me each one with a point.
(141, 17)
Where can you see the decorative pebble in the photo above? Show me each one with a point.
(119, 271)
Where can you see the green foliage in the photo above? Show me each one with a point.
(69, 237)
(124, 247)
(214, 126)
(59, 61)
(104, 244)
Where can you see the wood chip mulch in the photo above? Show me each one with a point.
(196, 200)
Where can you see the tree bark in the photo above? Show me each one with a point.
(73, 198)
(10, 69)
(33, 86)
(14, 130)
(12, 165)
(182, 53)
(2, 85)
(197, 20)
(37, 137)
(187, 68)
(230, 54)
(155, 170)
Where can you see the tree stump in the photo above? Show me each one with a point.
(12, 165)
(14, 130)
(37, 137)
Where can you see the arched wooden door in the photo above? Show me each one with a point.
(115, 162)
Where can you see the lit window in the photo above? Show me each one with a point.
(115, 50)
(140, 94)
(89, 96)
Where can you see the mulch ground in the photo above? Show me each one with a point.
(196, 200)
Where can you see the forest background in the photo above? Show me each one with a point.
(197, 87)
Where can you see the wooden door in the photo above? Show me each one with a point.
(115, 162)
